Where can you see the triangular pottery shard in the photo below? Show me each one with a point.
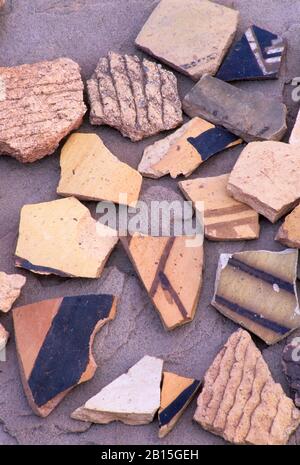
(176, 394)
(184, 150)
(289, 232)
(89, 171)
(10, 289)
(240, 400)
(171, 270)
(257, 55)
(266, 177)
(54, 343)
(133, 398)
(291, 367)
(225, 219)
(257, 290)
(61, 237)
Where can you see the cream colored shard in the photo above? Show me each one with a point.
(4, 335)
(171, 270)
(225, 219)
(89, 171)
(257, 289)
(266, 177)
(133, 398)
(289, 232)
(10, 289)
(240, 400)
(295, 135)
(61, 237)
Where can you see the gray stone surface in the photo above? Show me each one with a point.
(84, 30)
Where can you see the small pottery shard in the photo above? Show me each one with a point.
(54, 343)
(89, 171)
(241, 402)
(295, 134)
(171, 270)
(289, 232)
(291, 367)
(176, 394)
(225, 219)
(259, 178)
(257, 290)
(191, 36)
(133, 398)
(139, 98)
(184, 150)
(61, 237)
(257, 55)
(10, 289)
(4, 335)
(42, 103)
(237, 110)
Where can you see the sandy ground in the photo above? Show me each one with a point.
(85, 30)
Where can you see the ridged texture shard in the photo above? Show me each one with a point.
(10, 289)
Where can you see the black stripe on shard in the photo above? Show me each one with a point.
(22, 263)
(255, 317)
(263, 275)
(64, 355)
(166, 415)
(212, 141)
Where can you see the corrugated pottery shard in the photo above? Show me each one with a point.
(259, 178)
(240, 400)
(54, 343)
(249, 115)
(176, 394)
(257, 55)
(89, 171)
(10, 289)
(257, 290)
(225, 219)
(133, 398)
(289, 232)
(295, 134)
(137, 97)
(42, 103)
(4, 335)
(184, 150)
(191, 36)
(171, 270)
(291, 367)
(61, 237)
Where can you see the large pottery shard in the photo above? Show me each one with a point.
(225, 219)
(171, 270)
(139, 98)
(184, 150)
(291, 367)
(61, 237)
(191, 36)
(289, 231)
(10, 289)
(133, 398)
(266, 177)
(250, 116)
(54, 342)
(89, 171)
(40, 104)
(240, 400)
(257, 290)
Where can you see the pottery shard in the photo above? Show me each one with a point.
(291, 367)
(89, 171)
(176, 394)
(4, 335)
(295, 135)
(54, 343)
(249, 115)
(225, 219)
(259, 178)
(40, 104)
(240, 400)
(10, 289)
(139, 98)
(191, 36)
(171, 270)
(184, 150)
(289, 232)
(257, 290)
(133, 398)
(61, 237)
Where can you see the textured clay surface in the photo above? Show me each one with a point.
(10, 288)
